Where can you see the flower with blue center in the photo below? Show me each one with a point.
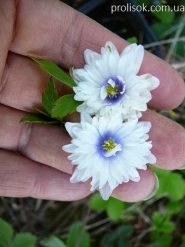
(109, 84)
(108, 151)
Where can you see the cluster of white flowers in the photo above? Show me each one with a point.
(110, 144)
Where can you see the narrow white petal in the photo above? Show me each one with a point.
(69, 148)
(69, 127)
(85, 117)
(111, 82)
(91, 56)
(103, 92)
(106, 191)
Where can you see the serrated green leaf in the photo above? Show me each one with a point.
(114, 208)
(65, 105)
(159, 219)
(167, 227)
(97, 203)
(24, 240)
(78, 237)
(35, 118)
(41, 112)
(6, 233)
(55, 71)
(162, 222)
(49, 96)
(52, 241)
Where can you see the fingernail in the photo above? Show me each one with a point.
(181, 168)
(155, 189)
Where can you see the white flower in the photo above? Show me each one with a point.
(108, 151)
(109, 83)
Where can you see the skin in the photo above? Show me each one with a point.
(48, 29)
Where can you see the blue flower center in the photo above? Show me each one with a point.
(108, 145)
(115, 89)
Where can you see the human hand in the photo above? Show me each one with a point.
(50, 30)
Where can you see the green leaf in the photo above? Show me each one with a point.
(183, 238)
(160, 28)
(65, 105)
(24, 240)
(97, 203)
(174, 206)
(167, 227)
(41, 112)
(176, 186)
(119, 238)
(49, 96)
(164, 14)
(163, 239)
(114, 208)
(180, 48)
(52, 241)
(132, 40)
(159, 219)
(55, 71)
(78, 237)
(162, 222)
(171, 183)
(124, 231)
(166, 239)
(35, 118)
(6, 233)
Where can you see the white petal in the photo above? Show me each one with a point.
(90, 56)
(112, 152)
(111, 82)
(69, 148)
(103, 92)
(85, 117)
(69, 127)
(106, 191)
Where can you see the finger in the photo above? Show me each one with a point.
(24, 90)
(138, 191)
(43, 143)
(65, 35)
(7, 15)
(20, 177)
(168, 139)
